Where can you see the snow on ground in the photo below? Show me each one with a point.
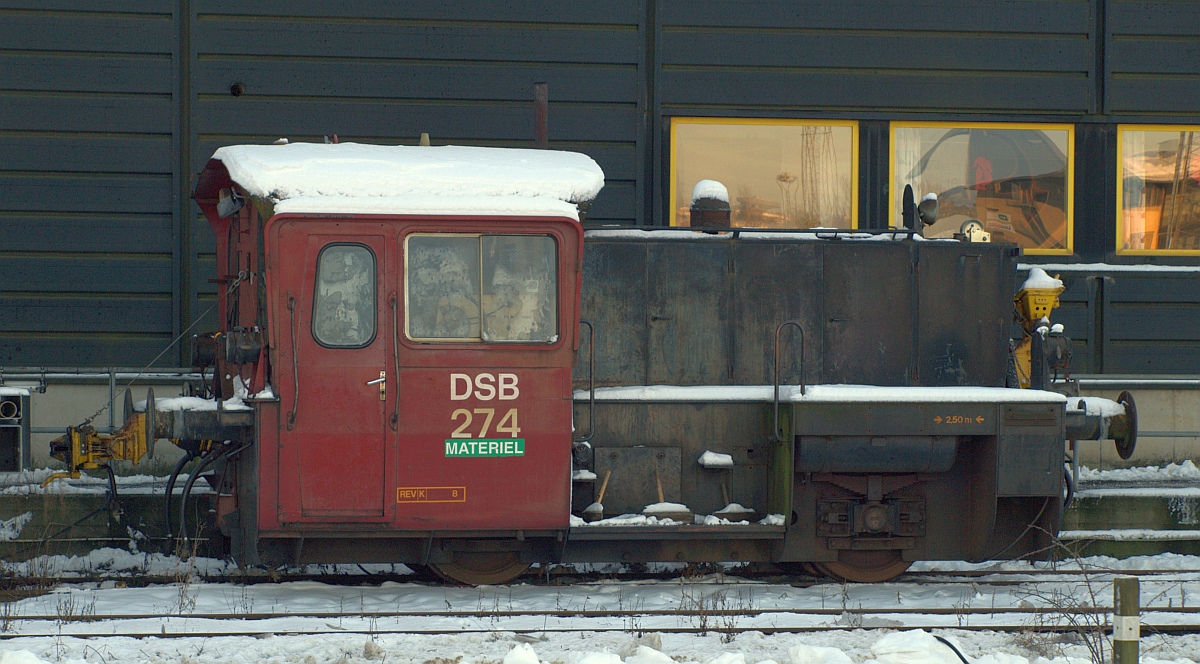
(481, 638)
(29, 482)
(1172, 472)
(549, 639)
(841, 647)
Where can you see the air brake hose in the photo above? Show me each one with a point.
(171, 490)
(205, 461)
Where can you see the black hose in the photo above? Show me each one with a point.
(1070, 486)
(205, 462)
(951, 646)
(171, 490)
(109, 499)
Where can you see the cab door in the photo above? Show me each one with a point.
(332, 337)
(485, 359)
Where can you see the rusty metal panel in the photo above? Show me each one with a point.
(738, 429)
(774, 282)
(636, 473)
(965, 312)
(1030, 464)
(895, 419)
(868, 313)
(688, 295)
(614, 301)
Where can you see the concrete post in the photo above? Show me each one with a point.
(1126, 621)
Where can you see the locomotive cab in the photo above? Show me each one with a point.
(418, 350)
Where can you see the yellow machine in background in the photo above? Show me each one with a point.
(1034, 302)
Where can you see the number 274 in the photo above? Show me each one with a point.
(508, 423)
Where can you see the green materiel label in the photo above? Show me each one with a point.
(492, 447)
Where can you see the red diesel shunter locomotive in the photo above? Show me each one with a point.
(399, 376)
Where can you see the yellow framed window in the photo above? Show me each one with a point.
(1158, 191)
(1016, 179)
(778, 173)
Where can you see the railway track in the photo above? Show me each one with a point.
(534, 625)
(568, 575)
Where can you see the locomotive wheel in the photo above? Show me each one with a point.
(799, 569)
(865, 566)
(477, 568)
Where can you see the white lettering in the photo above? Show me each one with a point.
(455, 380)
(508, 387)
(485, 387)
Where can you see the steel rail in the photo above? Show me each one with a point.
(186, 632)
(601, 613)
(133, 579)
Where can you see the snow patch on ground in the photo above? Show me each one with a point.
(828, 647)
(470, 639)
(10, 529)
(1172, 472)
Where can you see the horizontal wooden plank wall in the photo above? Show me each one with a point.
(943, 55)
(109, 109)
(1153, 58)
(88, 234)
(462, 71)
(1152, 325)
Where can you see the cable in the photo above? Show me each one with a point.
(1070, 482)
(156, 357)
(213, 455)
(1032, 524)
(168, 347)
(951, 646)
(171, 490)
(109, 498)
(205, 462)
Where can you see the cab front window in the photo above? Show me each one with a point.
(481, 288)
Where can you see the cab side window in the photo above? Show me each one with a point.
(344, 307)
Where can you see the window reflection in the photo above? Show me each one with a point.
(1014, 180)
(482, 288)
(1160, 189)
(443, 287)
(779, 173)
(344, 311)
(519, 289)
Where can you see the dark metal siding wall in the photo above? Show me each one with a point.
(978, 55)
(1153, 55)
(108, 109)
(873, 61)
(460, 70)
(88, 218)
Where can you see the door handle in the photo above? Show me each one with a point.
(382, 383)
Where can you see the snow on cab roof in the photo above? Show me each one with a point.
(385, 179)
